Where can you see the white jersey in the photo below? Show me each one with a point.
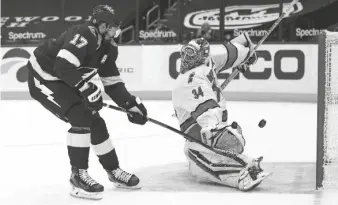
(199, 103)
(197, 97)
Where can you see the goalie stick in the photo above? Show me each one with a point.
(236, 71)
(232, 155)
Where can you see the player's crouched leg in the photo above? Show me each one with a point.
(105, 150)
(66, 104)
(78, 144)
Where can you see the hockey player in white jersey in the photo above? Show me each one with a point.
(201, 111)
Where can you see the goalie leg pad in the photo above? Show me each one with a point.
(201, 170)
(206, 165)
(212, 167)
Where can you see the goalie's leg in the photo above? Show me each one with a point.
(252, 176)
(206, 165)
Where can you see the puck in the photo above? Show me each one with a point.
(234, 125)
(262, 123)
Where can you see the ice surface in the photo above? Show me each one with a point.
(35, 166)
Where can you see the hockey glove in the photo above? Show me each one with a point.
(137, 112)
(243, 68)
(223, 137)
(93, 96)
(248, 62)
(252, 59)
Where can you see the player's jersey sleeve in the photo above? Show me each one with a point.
(231, 55)
(195, 96)
(110, 76)
(108, 71)
(76, 44)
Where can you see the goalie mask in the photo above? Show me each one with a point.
(193, 54)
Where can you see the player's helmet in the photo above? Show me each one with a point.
(193, 54)
(104, 13)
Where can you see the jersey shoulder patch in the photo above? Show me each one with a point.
(93, 30)
(191, 77)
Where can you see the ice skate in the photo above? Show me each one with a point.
(252, 176)
(83, 186)
(123, 179)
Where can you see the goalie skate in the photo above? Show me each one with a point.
(252, 175)
(123, 179)
(249, 179)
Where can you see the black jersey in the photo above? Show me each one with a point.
(79, 46)
(77, 52)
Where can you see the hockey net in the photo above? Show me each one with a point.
(327, 136)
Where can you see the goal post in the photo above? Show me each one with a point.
(327, 111)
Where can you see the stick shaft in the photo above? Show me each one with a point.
(236, 71)
(217, 151)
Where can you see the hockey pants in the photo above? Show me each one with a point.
(86, 128)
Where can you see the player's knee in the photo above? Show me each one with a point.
(98, 129)
(79, 116)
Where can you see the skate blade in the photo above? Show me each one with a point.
(122, 186)
(80, 193)
(257, 182)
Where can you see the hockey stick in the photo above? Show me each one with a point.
(236, 71)
(231, 155)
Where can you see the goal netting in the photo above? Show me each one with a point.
(327, 136)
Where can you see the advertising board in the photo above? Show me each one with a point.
(281, 70)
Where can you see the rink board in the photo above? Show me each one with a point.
(166, 95)
(284, 72)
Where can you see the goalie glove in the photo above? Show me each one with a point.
(243, 68)
(252, 59)
(137, 111)
(248, 62)
(224, 137)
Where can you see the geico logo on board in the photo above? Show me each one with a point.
(285, 64)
